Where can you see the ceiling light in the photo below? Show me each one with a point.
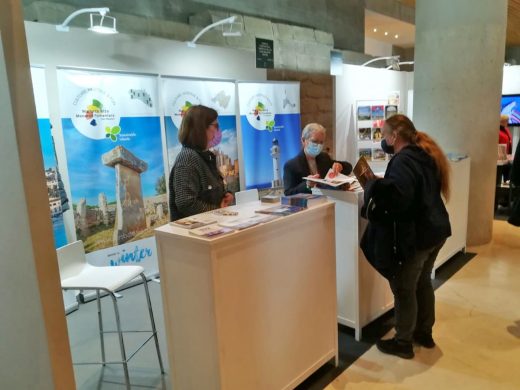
(396, 36)
(229, 33)
(375, 29)
(95, 14)
(386, 33)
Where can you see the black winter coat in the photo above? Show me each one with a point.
(405, 211)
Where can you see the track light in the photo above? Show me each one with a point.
(229, 33)
(99, 21)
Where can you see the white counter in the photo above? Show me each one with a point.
(362, 294)
(254, 309)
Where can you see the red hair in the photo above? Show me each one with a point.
(407, 131)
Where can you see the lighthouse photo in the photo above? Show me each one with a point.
(275, 154)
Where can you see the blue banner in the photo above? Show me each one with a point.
(270, 131)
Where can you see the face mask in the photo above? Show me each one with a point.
(389, 149)
(313, 149)
(215, 140)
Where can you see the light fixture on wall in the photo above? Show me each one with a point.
(226, 33)
(99, 21)
(390, 60)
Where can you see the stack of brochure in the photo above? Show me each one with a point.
(210, 231)
(194, 221)
(303, 200)
(245, 222)
(280, 210)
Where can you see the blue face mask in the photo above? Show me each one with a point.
(389, 149)
(313, 149)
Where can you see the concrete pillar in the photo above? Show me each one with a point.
(459, 57)
(130, 213)
(34, 343)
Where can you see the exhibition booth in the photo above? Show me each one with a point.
(109, 109)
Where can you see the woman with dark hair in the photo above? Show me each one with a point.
(408, 225)
(195, 183)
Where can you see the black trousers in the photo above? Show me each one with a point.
(414, 299)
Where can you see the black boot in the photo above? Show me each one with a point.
(396, 347)
(424, 340)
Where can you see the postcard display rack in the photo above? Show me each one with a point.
(370, 117)
(251, 309)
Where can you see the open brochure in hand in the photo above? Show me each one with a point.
(210, 231)
(363, 172)
(245, 222)
(280, 210)
(331, 180)
(194, 221)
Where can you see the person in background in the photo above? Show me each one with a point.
(408, 225)
(504, 135)
(195, 182)
(311, 161)
(504, 138)
(514, 186)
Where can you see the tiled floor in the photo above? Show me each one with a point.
(477, 330)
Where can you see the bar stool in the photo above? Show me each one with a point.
(77, 274)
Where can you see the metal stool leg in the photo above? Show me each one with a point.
(147, 292)
(100, 323)
(121, 341)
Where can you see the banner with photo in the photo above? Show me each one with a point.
(178, 95)
(270, 130)
(112, 136)
(58, 199)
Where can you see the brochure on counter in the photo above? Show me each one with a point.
(303, 200)
(245, 222)
(194, 221)
(210, 231)
(280, 210)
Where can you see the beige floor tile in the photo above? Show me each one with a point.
(477, 330)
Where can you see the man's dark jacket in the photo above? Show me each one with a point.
(405, 211)
(296, 168)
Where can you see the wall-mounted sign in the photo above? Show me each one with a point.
(264, 53)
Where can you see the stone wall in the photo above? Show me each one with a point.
(296, 48)
(316, 99)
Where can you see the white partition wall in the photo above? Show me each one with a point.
(358, 83)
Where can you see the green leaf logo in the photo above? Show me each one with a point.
(269, 125)
(112, 132)
(97, 103)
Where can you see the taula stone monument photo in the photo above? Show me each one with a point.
(130, 212)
